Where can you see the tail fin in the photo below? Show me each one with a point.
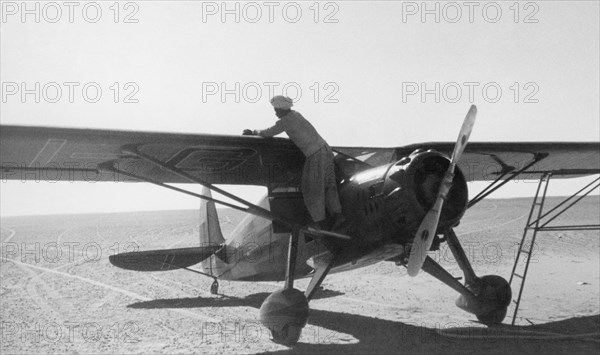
(210, 229)
(211, 235)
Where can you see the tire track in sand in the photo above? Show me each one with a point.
(34, 281)
(125, 292)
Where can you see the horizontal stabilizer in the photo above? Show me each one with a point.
(162, 260)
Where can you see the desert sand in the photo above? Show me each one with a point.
(59, 293)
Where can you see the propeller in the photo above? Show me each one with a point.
(426, 232)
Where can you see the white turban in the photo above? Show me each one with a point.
(282, 102)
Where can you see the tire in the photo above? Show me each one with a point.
(288, 335)
(496, 290)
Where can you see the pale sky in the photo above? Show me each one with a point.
(360, 67)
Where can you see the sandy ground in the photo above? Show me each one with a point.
(59, 294)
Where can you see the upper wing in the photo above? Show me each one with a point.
(61, 154)
(488, 161)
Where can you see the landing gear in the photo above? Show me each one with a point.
(285, 313)
(487, 297)
(289, 335)
(214, 288)
(492, 295)
(496, 292)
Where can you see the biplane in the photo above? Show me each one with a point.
(399, 204)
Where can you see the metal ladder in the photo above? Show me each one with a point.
(527, 244)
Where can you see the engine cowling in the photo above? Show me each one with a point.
(411, 187)
(390, 201)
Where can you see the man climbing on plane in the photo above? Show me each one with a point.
(318, 185)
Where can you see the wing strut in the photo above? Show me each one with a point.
(496, 184)
(109, 166)
(250, 207)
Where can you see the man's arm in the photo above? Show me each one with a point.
(271, 131)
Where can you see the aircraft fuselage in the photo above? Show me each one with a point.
(383, 207)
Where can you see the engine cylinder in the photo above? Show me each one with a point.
(411, 188)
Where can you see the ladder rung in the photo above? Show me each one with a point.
(525, 251)
(517, 275)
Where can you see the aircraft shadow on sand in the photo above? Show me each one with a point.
(253, 300)
(326, 329)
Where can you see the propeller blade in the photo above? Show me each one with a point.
(424, 238)
(426, 232)
(465, 133)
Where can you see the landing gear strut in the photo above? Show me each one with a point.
(487, 297)
(285, 312)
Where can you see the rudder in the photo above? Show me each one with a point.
(211, 234)
(210, 228)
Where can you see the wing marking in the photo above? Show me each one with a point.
(48, 151)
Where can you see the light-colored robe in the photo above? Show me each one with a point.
(318, 185)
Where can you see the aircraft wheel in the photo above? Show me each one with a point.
(285, 313)
(214, 288)
(496, 292)
(288, 335)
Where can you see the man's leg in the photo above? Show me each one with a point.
(332, 198)
(313, 187)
